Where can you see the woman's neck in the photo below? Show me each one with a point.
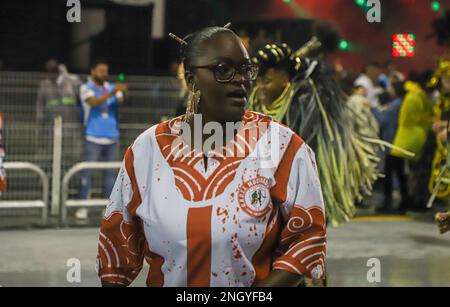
(218, 131)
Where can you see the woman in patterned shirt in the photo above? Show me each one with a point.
(248, 213)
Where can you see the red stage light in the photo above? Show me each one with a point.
(403, 45)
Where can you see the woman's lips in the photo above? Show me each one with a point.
(238, 100)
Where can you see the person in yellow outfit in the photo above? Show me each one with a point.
(415, 121)
(441, 78)
(414, 134)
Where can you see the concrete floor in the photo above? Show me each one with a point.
(411, 253)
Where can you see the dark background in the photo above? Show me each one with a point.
(32, 31)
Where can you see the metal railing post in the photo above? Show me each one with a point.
(73, 171)
(45, 184)
(56, 165)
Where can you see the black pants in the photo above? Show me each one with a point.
(421, 172)
(395, 166)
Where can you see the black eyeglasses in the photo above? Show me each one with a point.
(225, 73)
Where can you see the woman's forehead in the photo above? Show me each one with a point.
(226, 46)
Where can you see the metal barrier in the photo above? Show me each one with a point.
(29, 204)
(56, 148)
(80, 203)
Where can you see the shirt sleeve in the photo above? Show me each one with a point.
(114, 100)
(122, 241)
(86, 93)
(302, 244)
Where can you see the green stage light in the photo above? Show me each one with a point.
(436, 6)
(344, 45)
(362, 4)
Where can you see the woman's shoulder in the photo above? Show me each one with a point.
(145, 139)
(286, 137)
(148, 137)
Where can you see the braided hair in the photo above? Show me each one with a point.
(279, 56)
(274, 56)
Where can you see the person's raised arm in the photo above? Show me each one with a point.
(96, 101)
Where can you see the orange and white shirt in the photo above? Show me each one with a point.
(256, 207)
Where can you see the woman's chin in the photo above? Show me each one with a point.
(234, 114)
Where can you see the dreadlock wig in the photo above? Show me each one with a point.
(315, 107)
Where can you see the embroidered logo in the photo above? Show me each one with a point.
(254, 197)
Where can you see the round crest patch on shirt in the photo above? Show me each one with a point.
(254, 197)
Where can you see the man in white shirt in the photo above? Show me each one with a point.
(369, 80)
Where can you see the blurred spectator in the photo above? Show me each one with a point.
(100, 101)
(383, 82)
(387, 116)
(384, 98)
(2, 157)
(414, 134)
(415, 120)
(369, 80)
(393, 74)
(366, 124)
(57, 95)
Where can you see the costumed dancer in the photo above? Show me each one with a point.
(440, 26)
(440, 175)
(302, 93)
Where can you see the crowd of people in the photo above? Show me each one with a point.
(335, 142)
(403, 109)
(405, 112)
(347, 115)
(410, 112)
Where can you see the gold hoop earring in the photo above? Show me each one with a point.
(192, 104)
